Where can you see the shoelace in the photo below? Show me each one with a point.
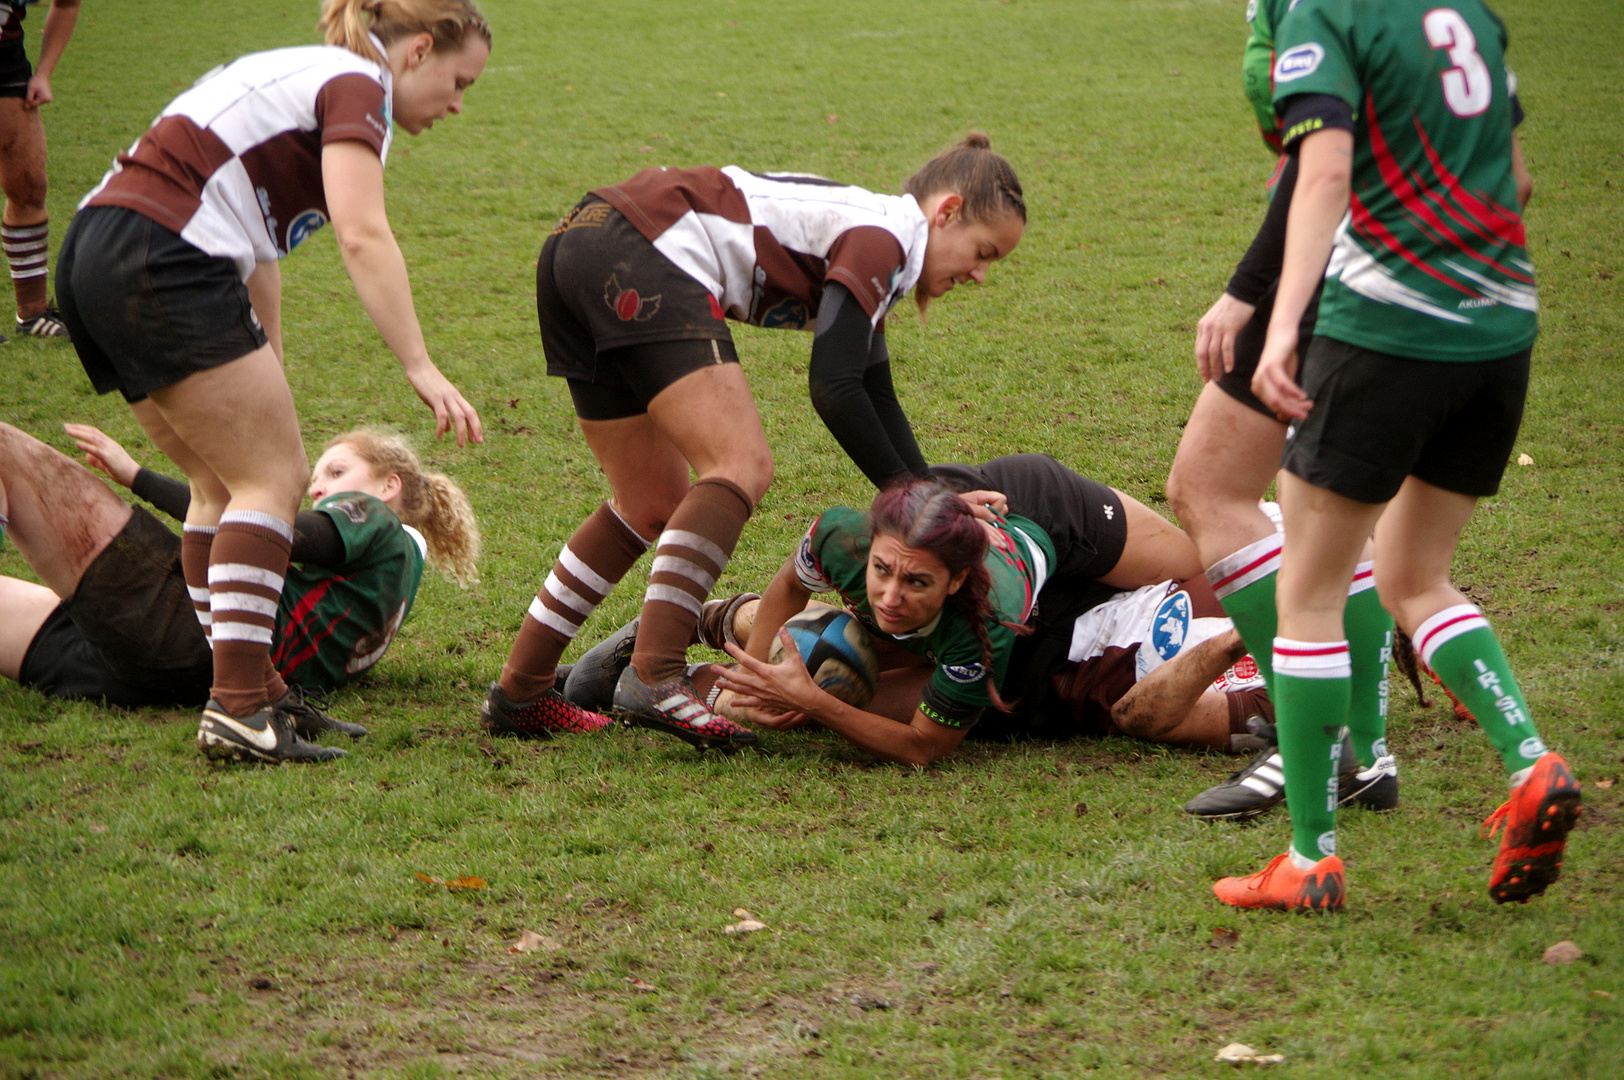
(1267, 875)
(1494, 821)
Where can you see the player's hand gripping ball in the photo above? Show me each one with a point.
(837, 651)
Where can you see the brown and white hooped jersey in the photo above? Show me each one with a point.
(233, 165)
(12, 13)
(765, 245)
(1119, 642)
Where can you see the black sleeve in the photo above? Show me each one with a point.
(860, 409)
(166, 493)
(316, 540)
(1302, 115)
(1260, 267)
(1517, 114)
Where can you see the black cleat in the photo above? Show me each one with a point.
(546, 716)
(309, 718)
(592, 678)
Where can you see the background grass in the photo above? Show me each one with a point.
(1029, 911)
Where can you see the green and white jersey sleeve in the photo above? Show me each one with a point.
(1430, 262)
(334, 624)
(1257, 65)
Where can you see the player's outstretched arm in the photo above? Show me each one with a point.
(352, 174)
(104, 453)
(785, 596)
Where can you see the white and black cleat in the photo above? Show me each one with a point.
(265, 735)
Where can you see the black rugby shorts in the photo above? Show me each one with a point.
(1378, 418)
(145, 309)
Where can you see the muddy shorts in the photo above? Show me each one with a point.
(129, 635)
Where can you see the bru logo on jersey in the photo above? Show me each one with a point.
(1171, 625)
(303, 225)
(627, 304)
(1299, 62)
(965, 673)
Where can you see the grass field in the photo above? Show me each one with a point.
(1030, 911)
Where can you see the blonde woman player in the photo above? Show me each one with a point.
(169, 284)
(113, 622)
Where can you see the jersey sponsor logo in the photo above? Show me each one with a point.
(1298, 63)
(787, 314)
(1171, 625)
(965, 674)
(1478, 302)
(303, 225)
(628, 304)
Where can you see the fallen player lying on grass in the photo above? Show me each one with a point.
(114, 622)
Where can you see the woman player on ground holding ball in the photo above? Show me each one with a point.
(945, 575)
(634, 289)
(169, 284)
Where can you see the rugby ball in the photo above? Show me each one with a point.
(837, 652)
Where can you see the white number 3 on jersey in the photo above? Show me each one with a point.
(1468, 87)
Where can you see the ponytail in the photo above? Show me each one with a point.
(983, 179)
(429, 502)
(352, 23)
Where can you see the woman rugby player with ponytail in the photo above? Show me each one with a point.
(113, 622)
(169, 284)
(634, 289)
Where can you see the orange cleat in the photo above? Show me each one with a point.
(1280, 886)
(1536, 820)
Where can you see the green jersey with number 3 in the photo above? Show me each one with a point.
(1430, 261)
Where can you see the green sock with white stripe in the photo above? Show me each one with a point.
(1370, 648)
(1311, 696)
(1244, 584)
(1461, 649)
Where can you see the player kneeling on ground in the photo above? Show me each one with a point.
(113, 620)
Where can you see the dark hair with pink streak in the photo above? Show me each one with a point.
(930, 516)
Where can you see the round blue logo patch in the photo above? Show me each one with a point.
(303, 225)
(965, 673)
(1171, 625)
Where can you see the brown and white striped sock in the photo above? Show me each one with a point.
(246, 568)
(597, 555)
(26, 246)
(692, 553)
(195, 542)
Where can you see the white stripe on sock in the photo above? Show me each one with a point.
(1446, 626)
(233, 573)
(584, 573)
(238, 601)
(568, 596)
(683, 538)
(260, 519)
(551, 619)
(676, 564)
(673, 595)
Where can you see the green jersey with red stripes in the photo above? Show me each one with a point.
(833, 557)
(1430, 261)
(1257, 66)
(333, 624)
